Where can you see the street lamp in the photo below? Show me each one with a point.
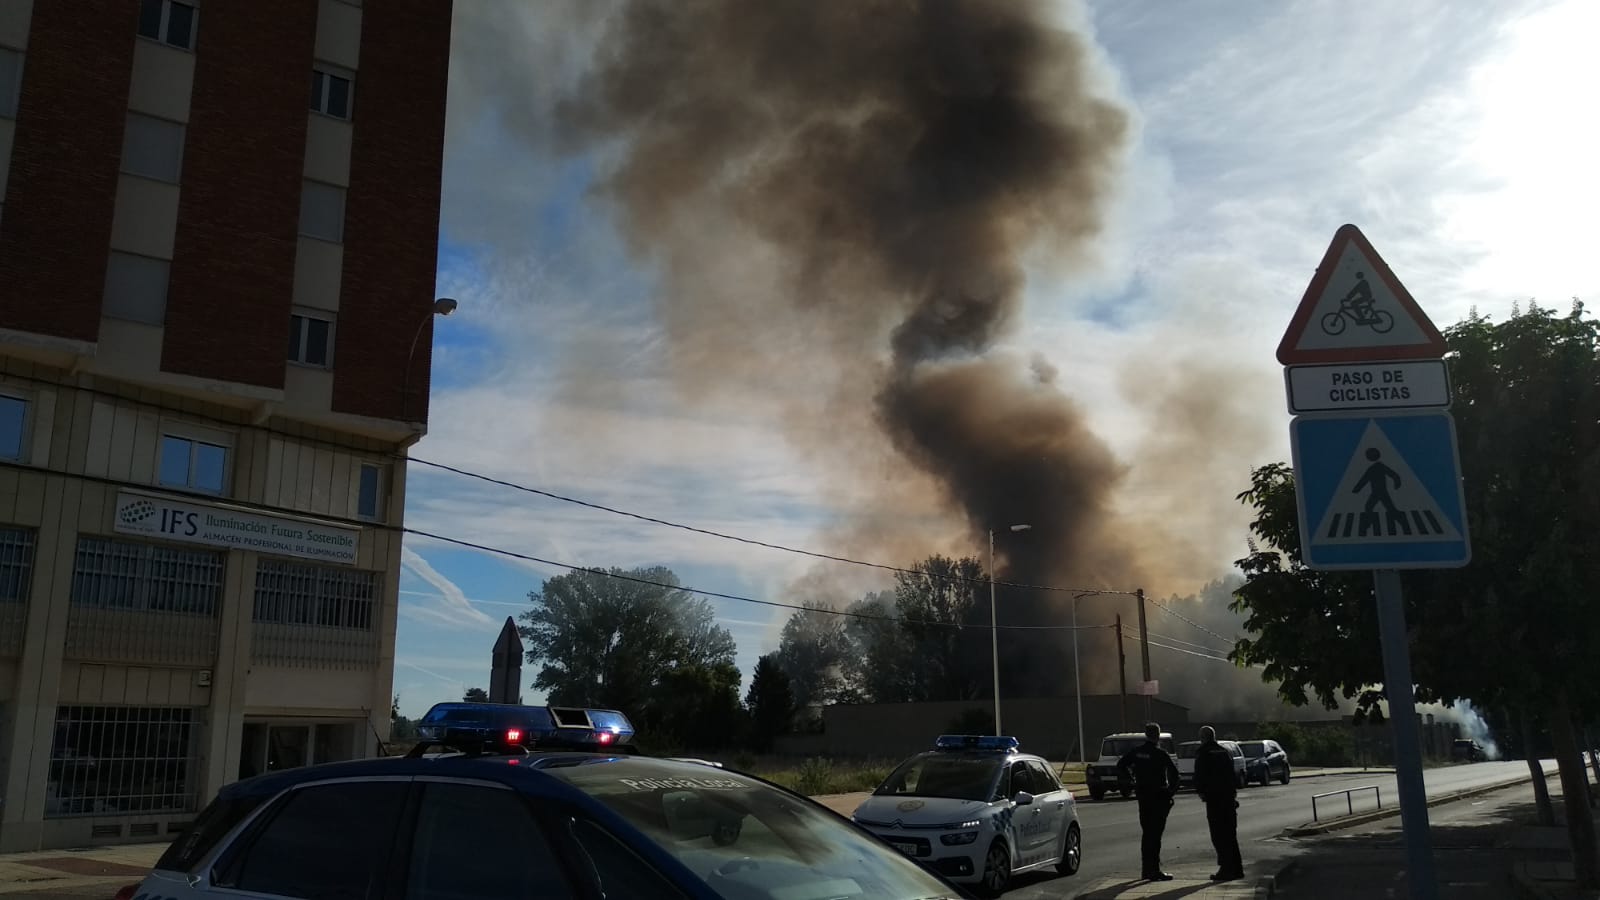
(994, 628)
(443, 306)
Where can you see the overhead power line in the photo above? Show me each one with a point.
(1174, 640)
(1183, 618)
(551, 495)
(571, 567)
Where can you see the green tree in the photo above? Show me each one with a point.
(770, 702)
(607, 638)
(880, 665)
(811, 652)
(1527, 410)
(935, 600)
(475, 695)
(400, 727)
(695, 707)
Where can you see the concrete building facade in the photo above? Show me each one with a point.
(218, 233)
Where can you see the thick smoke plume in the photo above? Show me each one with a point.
(867, 180)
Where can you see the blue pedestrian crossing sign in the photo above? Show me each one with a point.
(1380, 491)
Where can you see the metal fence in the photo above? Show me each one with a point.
(311, 615)
(16, 567)
(120, 760)
(134, 602)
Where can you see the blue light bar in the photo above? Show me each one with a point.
(1007, 743)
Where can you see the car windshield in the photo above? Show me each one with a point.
(1188, 749)
(1120, 747)
(735, 832)
(1253, 749)
(952, 776)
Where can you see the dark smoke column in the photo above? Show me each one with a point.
(897, 160)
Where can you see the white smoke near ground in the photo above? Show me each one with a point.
(1473, 725)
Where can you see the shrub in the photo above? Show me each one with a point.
(815, 776)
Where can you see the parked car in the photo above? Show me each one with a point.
(1188, 750)
(1466, 750)
(977, 810)
(1265, 761)
(1102, 775)
(541, 825)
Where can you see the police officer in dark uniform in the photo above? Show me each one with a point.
(1155, 781)
(1216, 783)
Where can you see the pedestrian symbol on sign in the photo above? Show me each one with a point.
(1379, 496)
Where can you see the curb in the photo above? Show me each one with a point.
(1269, 883)
(1389, 813)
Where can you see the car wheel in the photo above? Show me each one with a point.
(1071, 851)
(996, 870)
(1097, 793)
(1285, 777)
(1126, 793)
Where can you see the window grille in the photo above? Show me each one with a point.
(146, 577)
(16, 562)
(119, 760)
(289, 593)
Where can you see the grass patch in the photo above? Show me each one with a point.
(821, 775)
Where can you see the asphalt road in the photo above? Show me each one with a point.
(1111, 826)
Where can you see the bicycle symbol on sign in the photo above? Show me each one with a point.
(1357, 306)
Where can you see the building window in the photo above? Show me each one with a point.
(13, 427)
(195, 465)
(116, 760)
(330, 92)
(292, 593)
(152, 148)
(127, 575)
(369, 495)
(10, 82)
(322, 211)
(16, 562)
(136, 288)
(310, 340)
(168, 21)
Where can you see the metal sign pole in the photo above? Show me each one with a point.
(1397, 686)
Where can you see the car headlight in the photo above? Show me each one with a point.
(958, 838)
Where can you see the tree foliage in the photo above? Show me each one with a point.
(475, 695)
(605, 641)
(811, 652)
(911, 644)
(770, 702)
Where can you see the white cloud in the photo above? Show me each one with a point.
(454, 607)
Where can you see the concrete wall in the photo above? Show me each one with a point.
(1046, 725)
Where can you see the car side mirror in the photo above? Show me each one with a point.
(1023, 798)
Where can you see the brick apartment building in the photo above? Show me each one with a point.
(215, 321)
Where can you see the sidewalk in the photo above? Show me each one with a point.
(95, 873)
(845, 804)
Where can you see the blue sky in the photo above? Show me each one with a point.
(1458, 138)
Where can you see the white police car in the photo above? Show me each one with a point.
(976, 810)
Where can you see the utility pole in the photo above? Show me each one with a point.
(1144, 652)
(1122, 676)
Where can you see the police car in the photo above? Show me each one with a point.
(499, 820)
(543, 727)
(976, 810)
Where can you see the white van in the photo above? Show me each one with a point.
(1188, 750)
(1102, 775)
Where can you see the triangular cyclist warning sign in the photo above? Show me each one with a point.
(1356, 310)
(1380, 497)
